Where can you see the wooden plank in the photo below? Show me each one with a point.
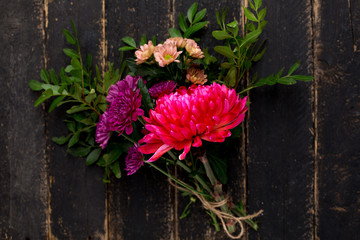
(23, 194)
(280, 147)
(78, 196)
(197, 225)
(141, 206)
(338, 107)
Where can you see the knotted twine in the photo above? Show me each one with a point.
(212, 206)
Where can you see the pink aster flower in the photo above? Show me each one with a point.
(134, 160)
(193, 49)
(178, 41)
(144, 53)
(162, 88)
(166, 53)
(188, 116)
(196, 76)
(103, 130)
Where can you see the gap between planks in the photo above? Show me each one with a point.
(315, 34)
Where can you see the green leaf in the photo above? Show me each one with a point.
(230, 78)
(77, 108)
(56, 102)
(191, 11)
(221, 35)
(153, 40)
(76, 64)
(259, 56)
(44, 76)
(294, 67)
(226, 51)
(74, 139)
(286, 81)
(61, 140)
(91, 96)
(112, 156)
(71, 53)
(35, 85)
(87, 121)
(182, 22)
(73, 27)
(303, 78)
(88, 60)
(262, 14)
(44, 95)
(71, 126)
(219, 167)
(143, 40)
(126, 48)
(145, 96)
(79, 151)
(218, 18)
(69, 37)
(129, 41)
(251, 4)
(227, 65)
(249, 15)
(53, 77)
(93, 156)
(233, 24)
(250, 38)
(115, 168)
(199, 16)
(174, 32)
(77, 92)
(258, 4)
(194, 28)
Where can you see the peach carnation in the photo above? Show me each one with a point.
(144, 53)
(178, 41)
(196, 76)
(166, 53)
(193, 49)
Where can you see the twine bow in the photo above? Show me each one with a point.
(212, 206)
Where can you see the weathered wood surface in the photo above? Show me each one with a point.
(298, 160)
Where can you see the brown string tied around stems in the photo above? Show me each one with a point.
(221, 215)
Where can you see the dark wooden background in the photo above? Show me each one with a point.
(298, 160)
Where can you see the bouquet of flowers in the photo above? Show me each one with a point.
(171, 103)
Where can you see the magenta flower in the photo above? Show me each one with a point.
(103, 130)
(134, 160)
(162, 88)
(125, 109)
(128, 83)
(188, 116)
(125, 101)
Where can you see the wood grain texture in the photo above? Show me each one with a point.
(280, 147)
(23, 175)
(337, 69)
(142, 205)
(78, 195)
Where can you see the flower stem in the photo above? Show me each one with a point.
(219, 194)
(129, 139)
(175, 180)
(187, 169)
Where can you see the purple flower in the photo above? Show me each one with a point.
(124, 109)
(162, 88)
(103, 130)
(128, 83)
(134, 160)
(125, 101)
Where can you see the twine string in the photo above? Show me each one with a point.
(212, 206)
